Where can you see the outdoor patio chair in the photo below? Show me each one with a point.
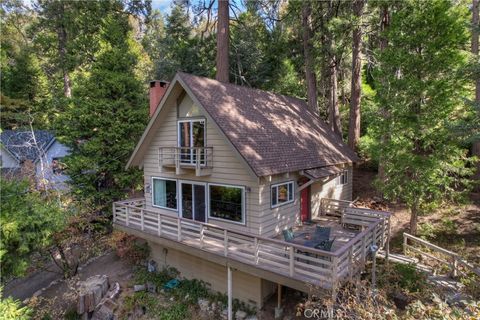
(322, 233)
(325, 245)
(288, 234)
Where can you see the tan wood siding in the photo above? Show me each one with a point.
(274, 220)
(330, 189)
(227, 168)
(246, 288)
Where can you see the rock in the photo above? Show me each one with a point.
(278, 313)
(186, 297)
(224, 314)
(204, 304)
(91, 292)
(104, 311)
(139, 287)
(172, 299)
(114, 291)
(214, 306)
(240, 315)
(401, 300)
(152, 266)
(151, 287)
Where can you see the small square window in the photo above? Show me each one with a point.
(282, 193)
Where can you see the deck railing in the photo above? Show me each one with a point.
(318, 267)
(193, 157)
(333, 207)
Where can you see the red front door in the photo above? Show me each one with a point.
(305, 204)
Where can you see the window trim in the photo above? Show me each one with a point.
(244, 204)
(153, 193)
(179, 198)
(339, 178)
(272, 206)
(190, 121)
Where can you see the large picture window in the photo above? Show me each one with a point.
(227, 202)
(165, 193)
(282, 193)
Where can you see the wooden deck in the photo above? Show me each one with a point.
(319, 268)
(341, 234)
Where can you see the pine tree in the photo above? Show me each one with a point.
(107, 114)
(419, 85)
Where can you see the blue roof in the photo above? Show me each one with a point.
(27, 145)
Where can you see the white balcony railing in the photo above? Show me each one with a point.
(198, 158)
(318, 267)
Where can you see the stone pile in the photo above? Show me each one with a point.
(96, 298)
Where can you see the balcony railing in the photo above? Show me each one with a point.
(321, 268)
(198, 158)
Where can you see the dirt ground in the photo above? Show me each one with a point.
(62, 294)
(456, 228)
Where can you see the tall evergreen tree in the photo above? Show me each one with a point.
(107, 114)
(421, 89)
(223, 41)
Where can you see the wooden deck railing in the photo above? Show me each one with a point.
(321, 268)
(333, 207)
(453, 261)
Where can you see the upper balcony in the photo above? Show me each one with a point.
(186, 159)
(357, 232)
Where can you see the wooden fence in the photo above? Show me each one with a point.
(451, 260)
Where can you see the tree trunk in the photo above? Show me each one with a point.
(223, 41)
(62, 51)
(475, 39)
(385, 22)
(334, 112)
(413, 220)
(307, 52)
(356, 88)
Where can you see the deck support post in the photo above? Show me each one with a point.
(229, 292)
(142, 219)
(279, 295)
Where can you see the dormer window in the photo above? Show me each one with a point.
(191, 140)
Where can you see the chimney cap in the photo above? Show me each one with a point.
(162, 83)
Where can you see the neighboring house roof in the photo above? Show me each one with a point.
(27, 145)
(273, 133)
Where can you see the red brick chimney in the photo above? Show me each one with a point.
(157, 90)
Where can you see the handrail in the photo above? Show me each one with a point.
(456, 258)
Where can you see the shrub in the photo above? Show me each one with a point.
(11, 309)
(128, 247)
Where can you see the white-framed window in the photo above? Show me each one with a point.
(342, 179)
(164, 193)
(282, 193)
(191, 134)
(226, 202)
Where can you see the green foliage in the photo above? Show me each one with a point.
(105, 119)
(409, 278)
(420, 91)
(28, 221)
(11, 309)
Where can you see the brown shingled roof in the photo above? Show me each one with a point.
(273, 133)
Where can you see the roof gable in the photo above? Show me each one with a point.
(271, 133)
